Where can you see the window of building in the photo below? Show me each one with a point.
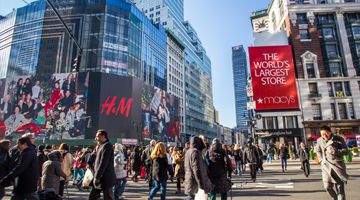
(304, 34)
(270, 122)
(310, 70)
(290, 121)
(299, 1)
(157, 13)
(158, 7)
(326, 19)
(338, 89)
(301, 18)
(351, 110)
(357, 47)
(316, 110)
(330, 89)
(342, 110)
(347, 88)
(334, 69)
(333, 111)
(331, 51)
(164, 23)
(151, 15)
(356, 31)
(328, 33)
(151, 9)
(313, 90)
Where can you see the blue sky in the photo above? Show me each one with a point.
(220, 24)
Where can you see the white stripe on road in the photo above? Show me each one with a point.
(284, 186)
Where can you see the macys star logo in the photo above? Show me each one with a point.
(260, 101)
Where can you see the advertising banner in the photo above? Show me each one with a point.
(273, 78)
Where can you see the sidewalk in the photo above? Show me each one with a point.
(355, 160)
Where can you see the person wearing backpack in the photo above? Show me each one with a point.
(251, 157)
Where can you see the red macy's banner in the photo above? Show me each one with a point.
(273, 78)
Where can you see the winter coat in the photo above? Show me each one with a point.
(66, 164)
(238, 155)
(330, 153)
(4, 162)
(119, 163)
(284, 152)
(25, 173)
(304, 154)
(160, 169)
(196, 175)
(51, 172)
(41, 158)
(135, 158)
(145, 156)
(179, 166)
(251, 155)
(104, 174)
(219, 168)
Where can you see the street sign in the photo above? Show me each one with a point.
(251, 105)
(258, 116)
(249, 91)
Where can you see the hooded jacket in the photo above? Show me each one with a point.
(51, 172)
(196, 175)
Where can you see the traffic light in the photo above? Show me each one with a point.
(76, 65)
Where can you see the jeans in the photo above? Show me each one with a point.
(238, 166)
(213, 196)
(119, 187)
(269, 158)
(78, 172)
(306, 167)
(158, 185)
(283, 163)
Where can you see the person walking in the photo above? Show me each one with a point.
(41, 158)
(238, 156)
(330, 151)
(219, 166)
(120, 172)
(260, 167)
(284, 155)
(26, 172)
(135, 163)
(146, 159)
(196, 176)
(52, 172)
(160, 171)
(178, 157)
(66, 166)
(4, 162)
(270, 153)
(104, 172)
(304, 159)
(251, 157)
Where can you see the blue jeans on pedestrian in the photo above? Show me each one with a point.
(283, 163)
(78, 172)
(238, 167)
(158, 185)
(270, 158)
(119, 187)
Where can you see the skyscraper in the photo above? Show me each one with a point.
(240, 73)
(198, 79)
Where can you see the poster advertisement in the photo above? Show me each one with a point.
(50, 104)
(273, 78)
(358, 141)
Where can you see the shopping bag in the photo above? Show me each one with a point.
(143, 172)
(88, 177)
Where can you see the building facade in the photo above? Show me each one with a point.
(239, 65)
(198, 78)
(176, 73)
(324, 35)
(116, 38)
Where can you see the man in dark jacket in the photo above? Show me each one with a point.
(104, 173)
(251, 157)
(25, 172)
(196, 176)
(145, 158)
(304, 159)
(4, 162)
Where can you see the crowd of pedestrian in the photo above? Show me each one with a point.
(202, 170)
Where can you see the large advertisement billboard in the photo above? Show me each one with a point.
(273, 78)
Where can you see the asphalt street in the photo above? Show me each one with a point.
(271, 184)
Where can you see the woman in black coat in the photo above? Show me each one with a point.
(304, 159)
(135, 162)
(220, 167)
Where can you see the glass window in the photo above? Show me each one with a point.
(331, 51)
(334, 69)
(357, 46)
(313, 89)
(316, 110)
(356, 31)
(304, 34)
(338, 89)
(347, 88)
(351, 110)
(269, 122)
(330, 89)
(301, 18)
(290, 121)
(310, 70)
(333, 110)
(342, 111)
(328, 33)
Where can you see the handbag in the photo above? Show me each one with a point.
(88, 177)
